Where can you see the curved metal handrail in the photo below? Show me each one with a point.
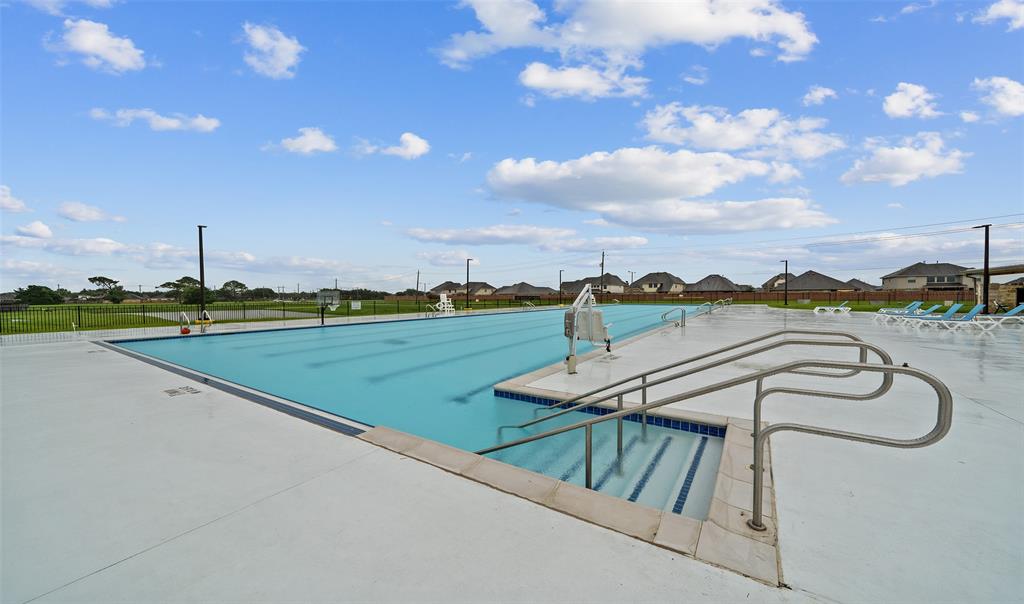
(644, 384)
(682, 320)
(943, 421)
(942, 425)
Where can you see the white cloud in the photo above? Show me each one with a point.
(585, 81)
(1011, 10)
(1004, 95)
(599, 40)
(911, 100)
(409, 146)
(10, 203)
(99, 48)
(29, 269)
(618, 29)
(36, 229)
(177, 121)
(99, 246)
(816, 95)
(56, 7)
(698, 75)
(969, 117)
(913, 8)
(647, 188)
(80, 212)
(920, 156)
(894, 205)
(597, 222)
(272, 54)
(762, 132)
(499, 234)
(447, 258)
(309, 141)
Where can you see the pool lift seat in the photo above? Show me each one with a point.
(584, 322)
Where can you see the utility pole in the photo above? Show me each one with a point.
(335, 283)
(631, 278)
(417, 289)
(985, 278)
(785, 283)
(560, 271)
(602, 271)
(141, 299)
(202, 275)
(467, 282)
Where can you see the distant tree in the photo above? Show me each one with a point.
(111, 290)
(409, 292)
(191, 295)
(187, 281)
(37, 294)
(233, 290)
(262, 293)
(179, 286)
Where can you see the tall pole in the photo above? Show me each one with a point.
(335, 283)
(417, 289)
(785, 283)
(202, 275)
(985, 278)
(560, 271)
(467, 282)
(631, 273)
(602, 271)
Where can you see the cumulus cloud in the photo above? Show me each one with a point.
(80, 212)
(599, 40)
(816, 95)
(99, 48)
(585, 81)
(648, 188)
(1011, 10)
(410, 146)
(969, 117)
(30, 269)
(271, 53)
(176, 121)
(10, 203)
(1004, 95)
(698, 75)
(911, 100)
(447, 257)
(99, 246)
(309, 141)
(921, 156)
(761, 132)
(35, 229)
(499, 234)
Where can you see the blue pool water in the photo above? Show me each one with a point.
(435, 379)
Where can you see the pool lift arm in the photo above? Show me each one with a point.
(583, 322)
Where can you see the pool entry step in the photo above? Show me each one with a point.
(671, 470)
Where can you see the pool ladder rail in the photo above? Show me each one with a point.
(706, 307)
(836, 369)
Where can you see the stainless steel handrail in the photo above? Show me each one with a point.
(681, 322)
(943, 421)
(643, 377)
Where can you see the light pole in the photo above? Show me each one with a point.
(467, 282)
(785, 283)
(202, 275)
(560, 271)
(985, 277)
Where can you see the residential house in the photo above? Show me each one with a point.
(713, 283)
(922, 275)
(524, 290)
(477, 288)
(448, 287)
(777, 281)
(611, 284)
(862, 286)
(660, 283)
(815, 281)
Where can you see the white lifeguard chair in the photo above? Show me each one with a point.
(584, 322)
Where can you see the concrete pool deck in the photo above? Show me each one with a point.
(114, 490)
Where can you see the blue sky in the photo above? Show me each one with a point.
(366, 141)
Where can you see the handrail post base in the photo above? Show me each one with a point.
(756, 526)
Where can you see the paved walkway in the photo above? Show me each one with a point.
(115, 491)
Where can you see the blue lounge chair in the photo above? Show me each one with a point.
(990, 322)
(956, 323)
(917, 321)
(915, 313)
(906, 310)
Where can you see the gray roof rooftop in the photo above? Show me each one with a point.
(713, 283)
(447, 285)
(862, 285)
(667, 280)
(923, 269)
(813, 280)
(524, 289)
(769, 284)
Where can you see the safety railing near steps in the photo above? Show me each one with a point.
(527, 305)
(756, 522)
(682, 316)
(645, 376)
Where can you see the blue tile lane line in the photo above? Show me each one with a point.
(649, 471)
(665, 422)
(684, 492)
(611, 468)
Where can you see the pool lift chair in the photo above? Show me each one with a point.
(584, 322)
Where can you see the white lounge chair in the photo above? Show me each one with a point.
(833, 310)
(1011, 317)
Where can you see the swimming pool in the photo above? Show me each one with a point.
(435, 379)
